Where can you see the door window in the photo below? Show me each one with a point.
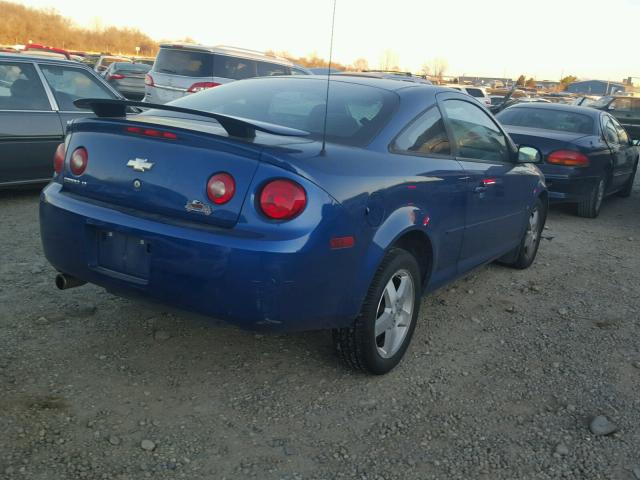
(623, 138)
(610, 132)
(21, 88)
(69, 84)
(475, 135)
(425, 135)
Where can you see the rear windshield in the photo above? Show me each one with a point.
(188, 63)
(560, 120)
(475, 92)
(108, 61)
(133, 67)
(356, 113)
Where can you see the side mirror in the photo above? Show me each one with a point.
(528, 155)
(635, 143)
(611, 107)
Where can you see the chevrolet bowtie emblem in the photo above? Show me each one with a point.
(140, 164)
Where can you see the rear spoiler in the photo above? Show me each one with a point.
(234, 126)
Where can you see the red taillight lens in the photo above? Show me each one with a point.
(568, 158)
(282, 199)
(58, 158)
(198, 87)
(78, 161)
(220, 188)
(148, 80)
(152, 132)
(115, 76)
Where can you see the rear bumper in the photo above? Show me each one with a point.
(253, 282)
(569, 188)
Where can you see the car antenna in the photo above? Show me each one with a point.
(326, 102)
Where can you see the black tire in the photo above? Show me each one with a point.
(357, 345)
(590, 206)
(628, 187)
(526, 252)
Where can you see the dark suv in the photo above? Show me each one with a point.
(625, 109)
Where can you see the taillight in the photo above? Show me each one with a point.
(78, 161)
(58, 158)
(115, 76)
(282, 199)
(148, 80)
(220, 188)
(568, 158)
(152, 132)
(198, 87)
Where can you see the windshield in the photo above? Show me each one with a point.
(560, 120)
(356, 113)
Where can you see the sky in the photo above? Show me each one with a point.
(543, 39)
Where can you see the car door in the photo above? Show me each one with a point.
(619, 151)
(423, 151)
(69, 83)
(626, 156)
(30, 129)
(498, 189)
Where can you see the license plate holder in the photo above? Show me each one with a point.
(123, 253)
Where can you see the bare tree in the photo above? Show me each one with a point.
(361, 65)
(389, 60)
(438, 67)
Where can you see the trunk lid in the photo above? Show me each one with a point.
(161, 176)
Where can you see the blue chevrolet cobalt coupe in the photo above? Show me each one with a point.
(258, 203)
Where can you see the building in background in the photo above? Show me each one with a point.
(595, 87)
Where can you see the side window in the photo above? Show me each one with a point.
(621, 104)
(610, 133)
(69, 84)
(21, 88)
(635, 104)
(270, 69)
(475, 135)
(234, 67)
(623, 138)
(425, 135)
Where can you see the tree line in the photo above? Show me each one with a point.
(21, 25)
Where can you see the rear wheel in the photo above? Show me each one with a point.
(628, 187)
(590, 207)
(380, 335)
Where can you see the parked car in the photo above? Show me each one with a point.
(392, 75)
(36, 102)
(586, 153)
(127, 78)
(625, 109)
(479, 93)
(230, 203)
(104, 61)
(182, 69)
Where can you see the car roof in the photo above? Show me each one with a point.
(13, 57)
(592, 112)
(229, 50)
(404, 77)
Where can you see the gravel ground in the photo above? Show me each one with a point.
(506, 372)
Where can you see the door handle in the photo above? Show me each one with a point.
(484, 184)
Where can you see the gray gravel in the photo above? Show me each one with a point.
(506, 373)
